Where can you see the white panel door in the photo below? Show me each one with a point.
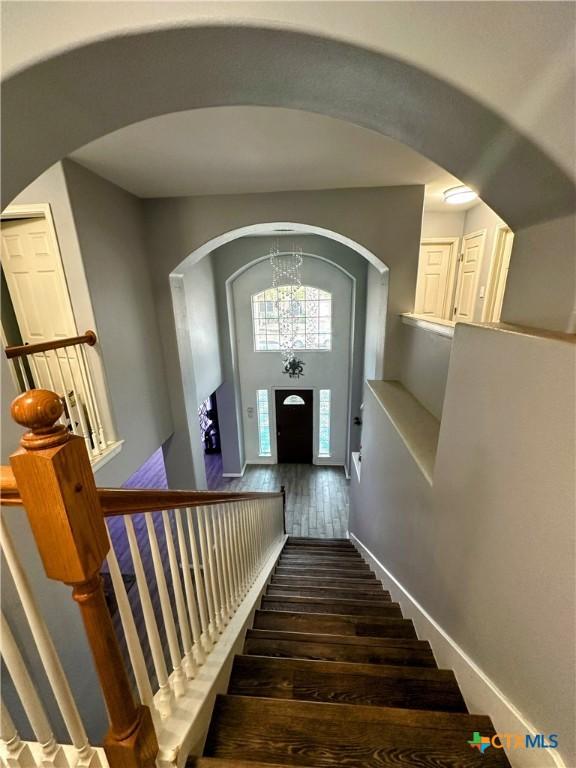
(468, 274)
(39, 293)
(434, 277)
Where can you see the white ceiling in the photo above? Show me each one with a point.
(228, 150)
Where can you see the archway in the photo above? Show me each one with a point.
(194, 387)
(49, 111)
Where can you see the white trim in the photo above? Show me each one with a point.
(235, 474)
(188, 724)
(496, 257)
(441, 327)
(113, 449)
(481, 693)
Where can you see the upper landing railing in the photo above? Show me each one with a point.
(62, 366)
(215, 547)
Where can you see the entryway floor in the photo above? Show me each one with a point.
(317, 497)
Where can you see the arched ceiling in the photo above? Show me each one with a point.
(229, 150)
(58, 105)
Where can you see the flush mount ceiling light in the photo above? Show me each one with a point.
(458, 195)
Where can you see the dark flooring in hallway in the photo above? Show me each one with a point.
(316, 496)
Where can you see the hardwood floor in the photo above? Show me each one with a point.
(316, 497)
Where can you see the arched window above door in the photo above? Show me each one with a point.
(293, 400)
(309, 325)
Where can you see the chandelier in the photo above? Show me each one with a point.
(286, 280)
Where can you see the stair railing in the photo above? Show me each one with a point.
(62, 366)
(194, 562)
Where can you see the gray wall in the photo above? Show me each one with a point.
(109, 225)
(425, 360)
(493, 536)
(386, 221)
(230, 258)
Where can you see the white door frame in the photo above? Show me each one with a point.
(448, 302)
(494, 275)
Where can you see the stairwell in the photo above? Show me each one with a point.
(332, 675)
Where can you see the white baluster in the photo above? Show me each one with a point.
(188, 663)
(177, 677)
(207, 571)
(52, 385)
(245, 545)
(199, 581)
(14, 752)
(229, 525)
(213, 568)
(237, 551)
(52, 753)
(87, 377)
(95, 445)
(164, 695)
(24, 373)
(231, 587)
(189, 588)
(217, 549)
(84, 431)
(86, 755)
(130, 632)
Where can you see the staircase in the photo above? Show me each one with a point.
(333, 675)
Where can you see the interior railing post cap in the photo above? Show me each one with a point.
(38, 410)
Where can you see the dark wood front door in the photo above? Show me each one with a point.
(294, 425)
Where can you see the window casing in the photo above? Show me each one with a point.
(308, 327)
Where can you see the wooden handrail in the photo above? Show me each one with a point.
(126, 501)
(23, 350)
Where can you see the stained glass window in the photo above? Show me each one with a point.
(263, 422)
(324, 423)
(303, 317)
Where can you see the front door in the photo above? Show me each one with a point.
(294, 425)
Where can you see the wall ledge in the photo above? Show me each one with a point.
(416, 426)
(441, 327)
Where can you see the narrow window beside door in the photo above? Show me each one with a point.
(263, 422)
(324, 424)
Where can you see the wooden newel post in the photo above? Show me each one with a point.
(53, 474)
(283, 492)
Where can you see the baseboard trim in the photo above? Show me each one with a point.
(235, 474)
(481, 694)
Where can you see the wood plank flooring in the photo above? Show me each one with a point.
(317, 497)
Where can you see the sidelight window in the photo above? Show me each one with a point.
(324, 423)
(264, 448)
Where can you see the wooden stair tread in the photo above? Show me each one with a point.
(317, 581)
(345, 734)
(347, 683)
(307, 542)
(349, 563)
(312, 637)
(342, 572)
(359, 652)
(330, 605)
(334, 592)
(216, 762)
(326, 623)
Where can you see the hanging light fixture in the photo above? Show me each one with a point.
(459, 195)
(286, 280)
